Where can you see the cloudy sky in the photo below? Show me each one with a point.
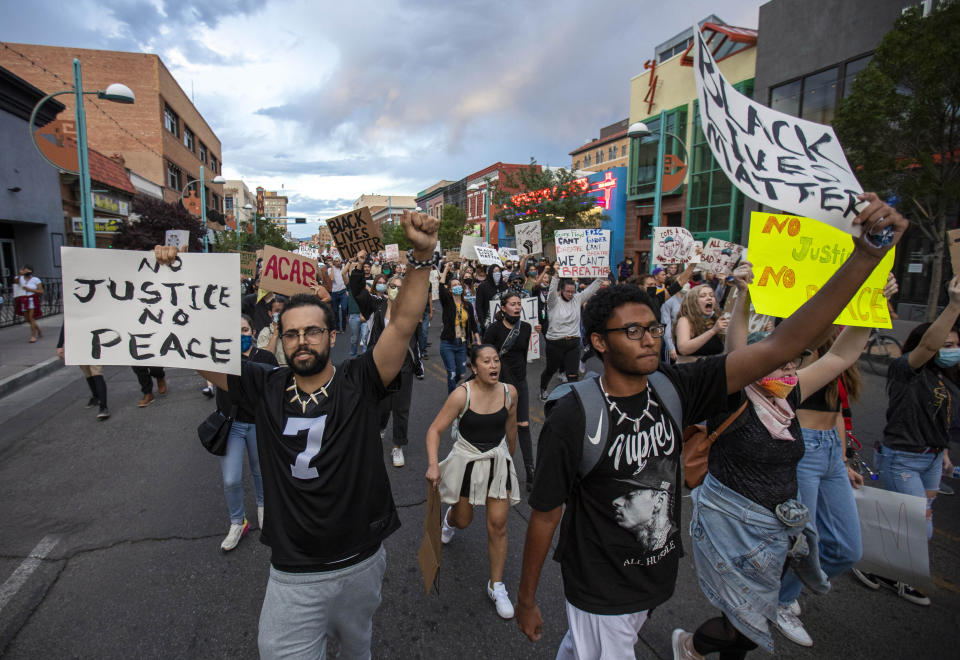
(335, 99)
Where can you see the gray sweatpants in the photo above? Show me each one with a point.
(301, 610)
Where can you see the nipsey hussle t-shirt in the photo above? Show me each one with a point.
(619, 542)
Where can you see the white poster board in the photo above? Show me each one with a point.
(720, 257)
(783, 162)
(528, 313)
(894, 531)
(672, 245)
(392, 252)
(508, 254)
(583, 253)
(467, 244)
(487, 255)
(178, 238)
(529, 238)
(186, 315)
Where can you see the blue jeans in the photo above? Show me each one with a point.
(826, 491)
(424, 329)
(911, 474)
(454, 355)
(364, 335)
(242, 437)
(355, 321)
(338, 301)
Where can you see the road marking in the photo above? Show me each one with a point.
(944, 584)
(26, 568)
(946, 534)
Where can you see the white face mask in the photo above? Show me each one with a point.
(496, 278)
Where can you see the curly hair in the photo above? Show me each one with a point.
(690, 309)
(601, 305)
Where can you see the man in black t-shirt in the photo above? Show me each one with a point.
(327, 498)
(616, 560)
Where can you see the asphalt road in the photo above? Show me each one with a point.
(128, 516)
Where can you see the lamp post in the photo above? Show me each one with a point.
(486, 202)
(203, 201)
(640, 130)
(116, 92)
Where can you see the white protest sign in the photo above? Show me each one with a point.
(533, 350)
(178, 238)
(894, 531)
(671, 245)
(186, 315)
(467, 243)
(529, 239)
(783, 162)
(392, 252)
(528, 313)
(583, 253)
(308, 252)
(487, 255)
(696, 253)
(719, 257)
(508, 254)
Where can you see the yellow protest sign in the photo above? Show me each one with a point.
(793, 257)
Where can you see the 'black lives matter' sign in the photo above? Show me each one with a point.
(355, 231)
(781, 161)
(121, 307)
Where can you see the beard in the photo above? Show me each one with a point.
(627, 365)
(312, 367)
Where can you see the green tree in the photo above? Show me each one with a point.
(267, 233)
(392, 232)
(453, 224)
(557, 198)
(900, 126)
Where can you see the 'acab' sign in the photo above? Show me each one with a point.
(285, 272)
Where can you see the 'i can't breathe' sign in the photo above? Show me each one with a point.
(121, 307)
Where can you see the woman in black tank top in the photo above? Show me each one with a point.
(485, 412)
(700, 326)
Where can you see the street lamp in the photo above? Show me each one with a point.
(640, 130)
(116, 92)
(486, 202)
(203, 201)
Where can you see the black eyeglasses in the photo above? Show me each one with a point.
(310, 335)
(636, 332)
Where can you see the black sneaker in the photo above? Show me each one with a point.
(103, 414)
(94, 401)
(944, 489)
(869, 580)
(902, 589)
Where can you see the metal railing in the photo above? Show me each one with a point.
(51, 302)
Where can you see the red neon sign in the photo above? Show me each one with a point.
(606, 188)
(534, 197)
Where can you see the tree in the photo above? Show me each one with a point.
(900, 126)
(392, 232)
(453, 224)
(155, 218)
(557, 198)
(268, 233)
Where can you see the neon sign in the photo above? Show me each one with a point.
(605, 188)
(534, 197)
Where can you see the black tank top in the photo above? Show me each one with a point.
(485, 430)
(818, 401)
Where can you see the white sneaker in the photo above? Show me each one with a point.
(794, 608)
(791, 627)
(398, 457)
(498, 594)
(383, 433)
(683, 646)
(446, 531)
(260, 517)
(236, 533)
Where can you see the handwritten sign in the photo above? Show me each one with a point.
(392, 252)
(793, 257)
(178, 238)
(467, 244)
(672, 245)
(508, 254)
(529, 238)
(953, 242)
(773, 158)
(186, 315)
(452, 255)
(355, 231)
(583, 253)
(528, 313)
(487, 255)
(720, 257)
(894, 531)
(248, 264)
(285, 272)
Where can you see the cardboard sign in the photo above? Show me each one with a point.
(672, 245)
(774, 158)
(529, 238)
(178, 238)
(248, 264)
(487, 255)
(285, 272)
(186, 315)
(953, 243)
(894, 531)
(793, 257)
(428, 556)
(720, 257)
(508, 254)
(583, 253)
(392, 252)
(355, 231)
(452, 255)
(467, 244)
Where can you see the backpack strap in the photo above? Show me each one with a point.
(665, 390)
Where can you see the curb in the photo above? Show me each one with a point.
(12, 383)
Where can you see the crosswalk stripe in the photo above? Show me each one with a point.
(26, 568)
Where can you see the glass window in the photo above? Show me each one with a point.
(188, 139)
(697, 219)
(786, 98)
(174, 177)
(576, 165)
(203, 153)
(213, 164)
(820, 96)
(171, 121)
(623, 151)
(850, 72)
(228, 203)
(719, 216)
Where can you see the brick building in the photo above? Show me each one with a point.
(162, 137)
(274, 205)
(111, 200)
(603, 153)
(476, 199)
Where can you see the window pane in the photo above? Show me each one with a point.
(697, 220)
(720, 218)
(851, 71)
(699, 190)
(721, 189)
(786, 98)
(820, 96)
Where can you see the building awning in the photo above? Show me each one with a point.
(723, 41)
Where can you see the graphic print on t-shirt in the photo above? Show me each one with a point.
(301, 467)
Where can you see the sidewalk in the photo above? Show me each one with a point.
(21, 362)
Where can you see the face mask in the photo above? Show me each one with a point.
(531, 273)
(948, 357)
(276, 317)
(496, 278)
(468, 281)
(652, 291)
(457, 290)
(393, 293)
(779, 387)
(386, 271)
(511, 319)
(246, 341)
(381, 288)
(710, 315)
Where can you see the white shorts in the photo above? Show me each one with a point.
(603, 636)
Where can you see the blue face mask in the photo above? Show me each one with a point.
(381, 287)
(456, 290)
(948, 357)
(246, 341)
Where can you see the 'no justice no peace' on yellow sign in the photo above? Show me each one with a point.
(793, 257)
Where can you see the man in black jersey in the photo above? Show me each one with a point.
(328, 504)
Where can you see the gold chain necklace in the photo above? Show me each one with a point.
(310, 397)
